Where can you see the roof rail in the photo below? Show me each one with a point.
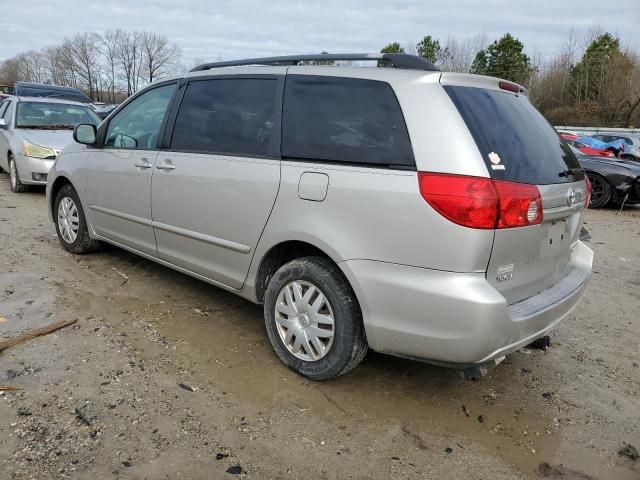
(398, 60)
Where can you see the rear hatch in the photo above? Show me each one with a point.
(519, 145)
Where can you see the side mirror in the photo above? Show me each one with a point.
(85, 134)
(3, 124)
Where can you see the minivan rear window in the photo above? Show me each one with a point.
(515, 140)
(345, 120)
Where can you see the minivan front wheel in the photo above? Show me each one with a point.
(14, 178)
(313, 319)
(70, 222)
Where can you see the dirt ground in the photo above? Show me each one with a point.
(103, 399)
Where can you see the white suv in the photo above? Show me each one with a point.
(423, 214)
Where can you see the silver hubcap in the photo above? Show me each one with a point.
(13, 174)
(304, 320)
(68, 220)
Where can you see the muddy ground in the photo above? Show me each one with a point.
(102, 399)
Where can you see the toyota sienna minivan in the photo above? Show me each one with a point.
(419, 213)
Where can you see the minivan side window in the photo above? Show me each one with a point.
(137, 125)
(347, 120)
(232, 116)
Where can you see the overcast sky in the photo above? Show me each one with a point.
(213, 29)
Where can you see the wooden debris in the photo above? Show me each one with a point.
(10, 342)
(9, 388)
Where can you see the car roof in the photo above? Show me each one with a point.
(62, 88)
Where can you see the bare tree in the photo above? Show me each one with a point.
(82, 54)
(130, 58)
(30, 67)
(110, 42)
(410, 48)
(160, 56)
(457, 56)
(10, 71)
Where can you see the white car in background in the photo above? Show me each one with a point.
(33, 131)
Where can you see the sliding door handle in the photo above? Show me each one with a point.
(165, 166)
(143, 163)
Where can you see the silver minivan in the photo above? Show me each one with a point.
(424, 214)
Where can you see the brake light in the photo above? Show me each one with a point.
(478, 202)
(609, 153)
(587, 192)
(509, 87)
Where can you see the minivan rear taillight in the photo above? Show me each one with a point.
(478, 202)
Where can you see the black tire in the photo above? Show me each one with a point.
(600, 191)
(349, 342)
(83, 243)
(14, 180)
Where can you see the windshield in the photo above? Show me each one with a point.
(53, 116)
(515, 140)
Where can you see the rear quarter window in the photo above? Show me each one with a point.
(516, 142)
(344, 120)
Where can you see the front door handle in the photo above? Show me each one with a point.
(143, 163)
(165, 166)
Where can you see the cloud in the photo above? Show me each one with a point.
(235, 29)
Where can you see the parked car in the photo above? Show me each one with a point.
(616, 146)
(613, 181)
(26, 89)
(104, 110)
(572, 140)
(32, 133)
(322, 198)
(632, 144)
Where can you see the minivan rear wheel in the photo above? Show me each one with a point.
(70, 222)
(313, 319)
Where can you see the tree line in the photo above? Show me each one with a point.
(108, 66)
(594, 81)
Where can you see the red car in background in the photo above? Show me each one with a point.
(572, 139)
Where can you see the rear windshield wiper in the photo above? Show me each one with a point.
(571, 171)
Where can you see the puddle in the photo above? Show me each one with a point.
(220, 340)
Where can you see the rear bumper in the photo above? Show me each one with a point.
(457, 318)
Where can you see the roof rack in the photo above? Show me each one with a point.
(398, 60)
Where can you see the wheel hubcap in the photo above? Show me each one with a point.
(304, 320)
(68, 220)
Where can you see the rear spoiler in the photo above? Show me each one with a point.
(482, 81)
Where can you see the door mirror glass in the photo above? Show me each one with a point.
(85, 134)
(3, 124)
